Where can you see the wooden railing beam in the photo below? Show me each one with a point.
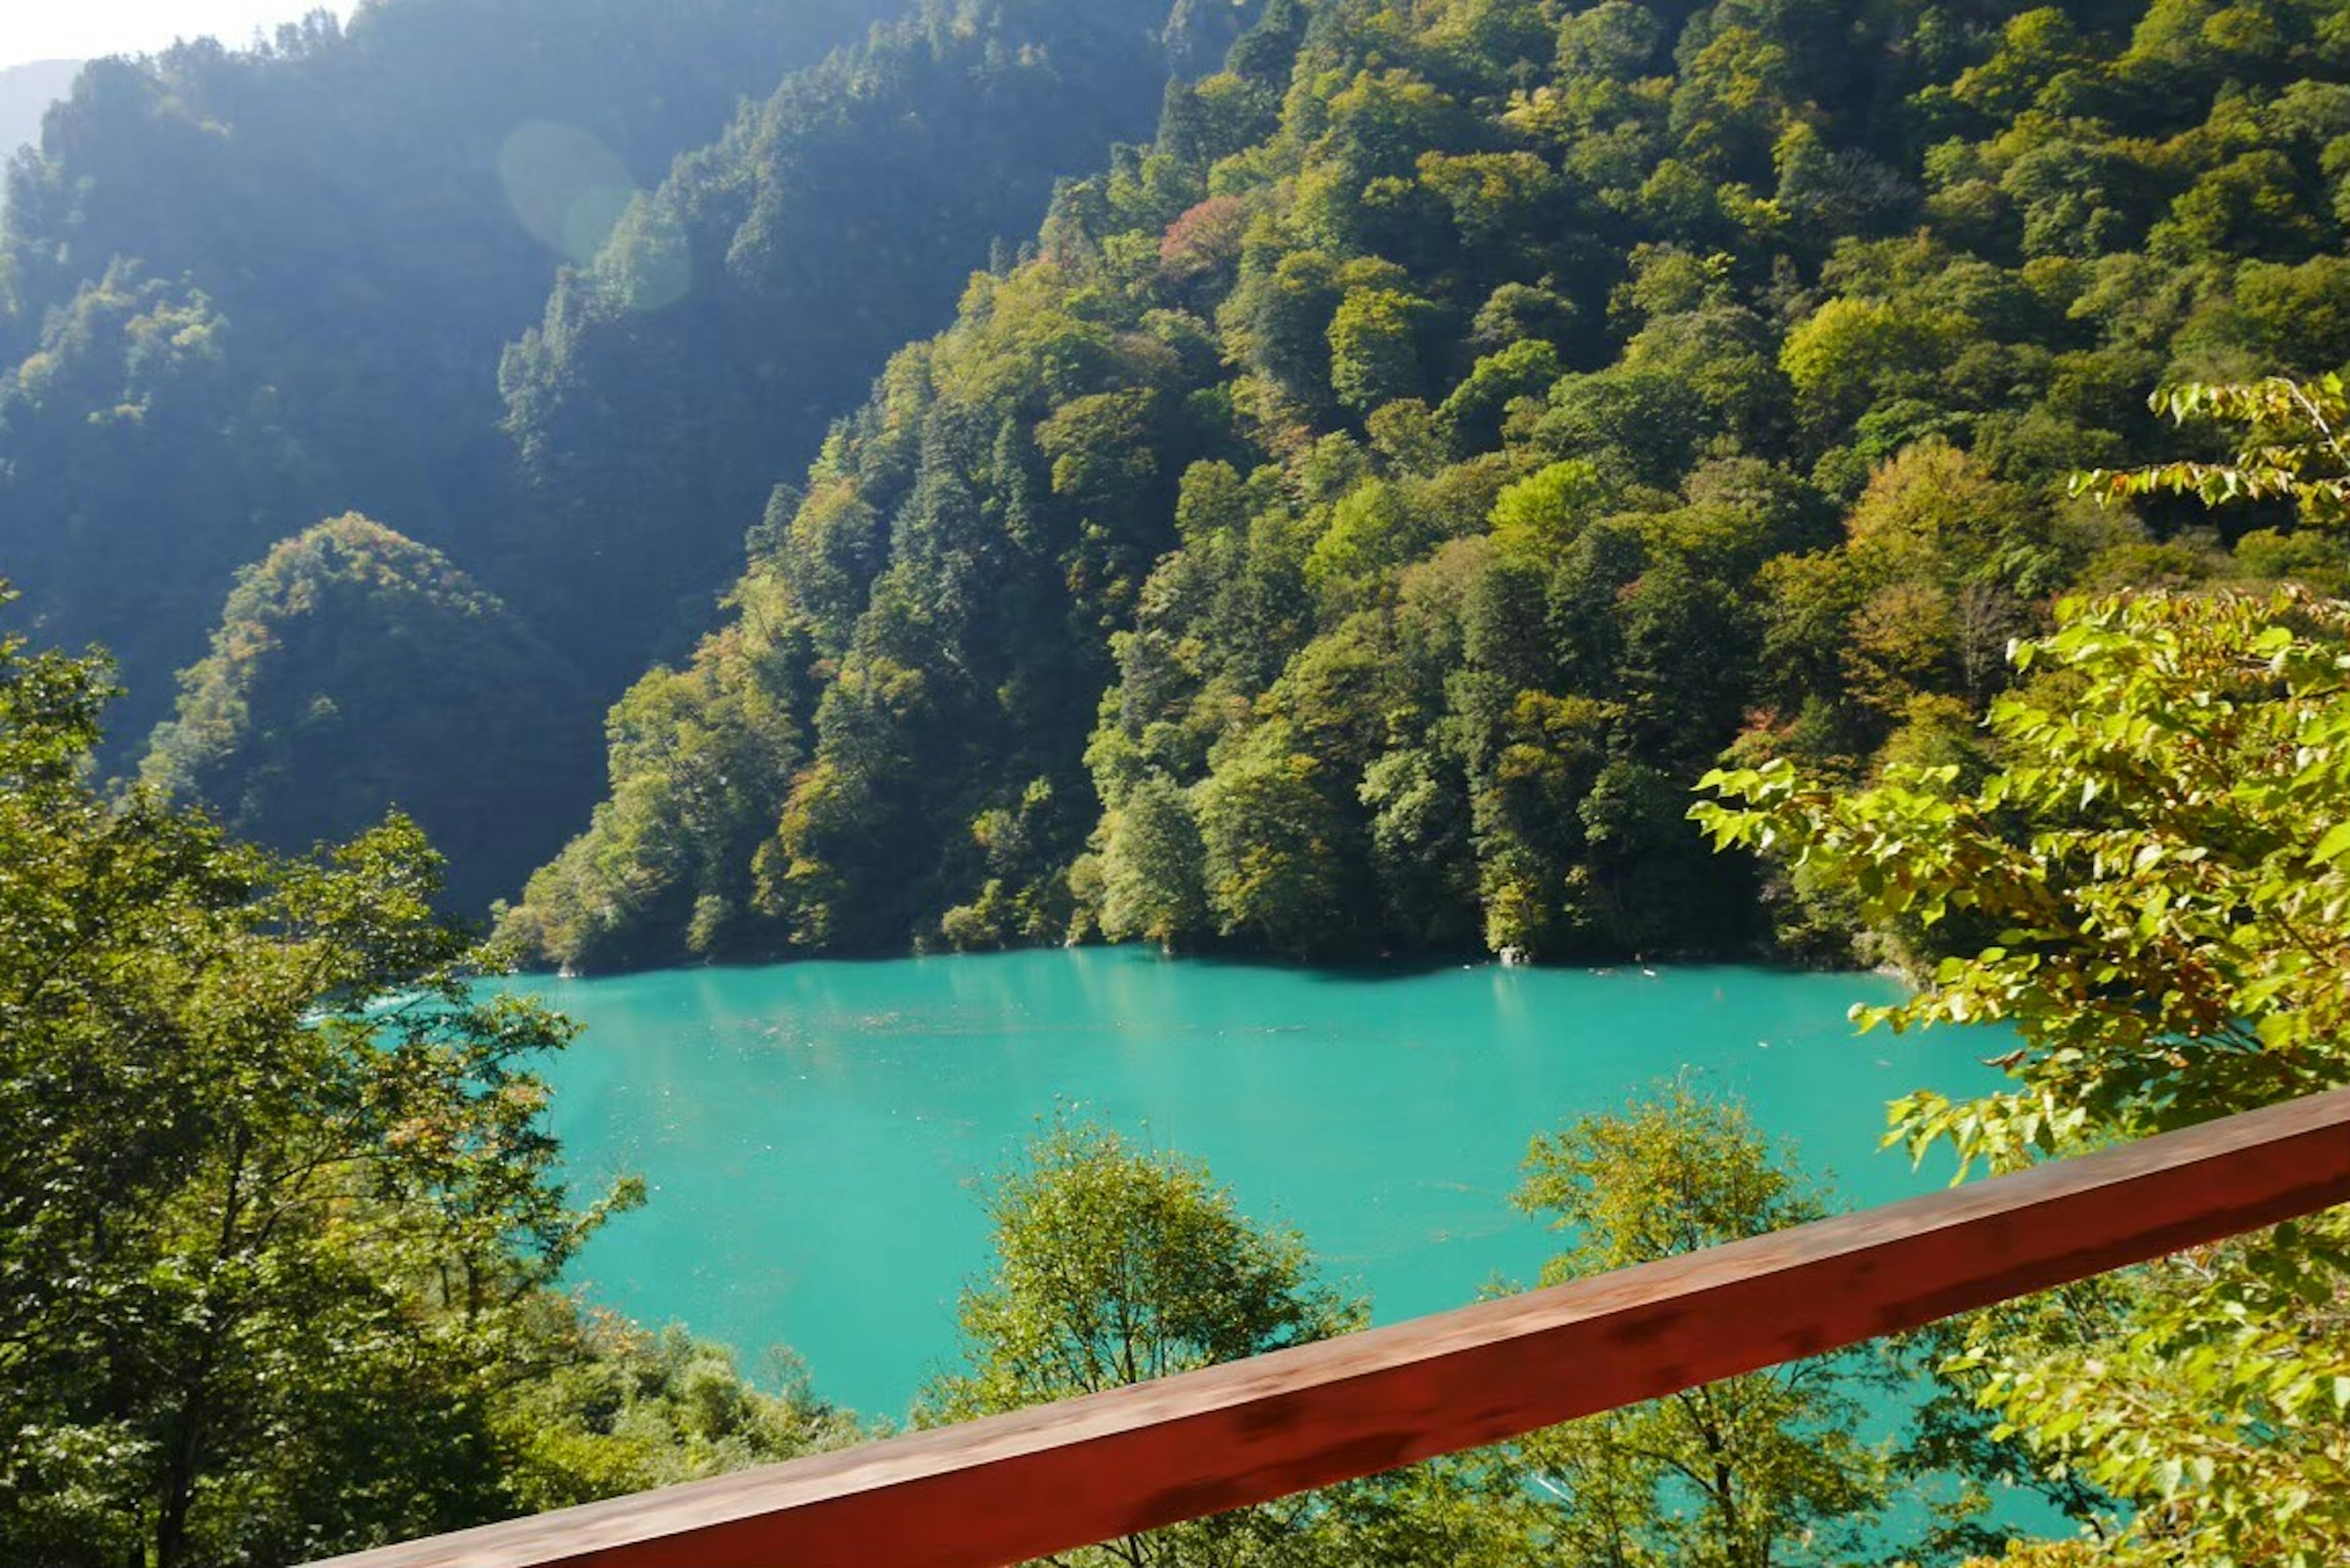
(1059, 1476)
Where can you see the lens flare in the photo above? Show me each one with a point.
(565, 187)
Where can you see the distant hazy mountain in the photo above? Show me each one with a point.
(25, 91)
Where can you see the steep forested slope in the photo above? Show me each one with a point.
(751, 300)
(246, 290)
(249, 291)
(355, 669)
(1374, 503)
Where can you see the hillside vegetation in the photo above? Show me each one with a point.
(1376, 501)
(244, 292)
(26, 93)
(281, 1226)
(1359, 521)
(752, 298)
(346, 661)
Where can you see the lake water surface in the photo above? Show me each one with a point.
(815, 1134)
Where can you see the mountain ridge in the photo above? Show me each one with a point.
(26, 91)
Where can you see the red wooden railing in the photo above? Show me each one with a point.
(1060, 1476)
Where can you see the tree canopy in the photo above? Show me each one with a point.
(279, 1217)
(245, 289)
(354, 670)
(1114, 1264)
(1743, 1472)
(2149, 889)
(1377, 500)
(560, 291)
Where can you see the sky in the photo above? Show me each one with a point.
(79, 29)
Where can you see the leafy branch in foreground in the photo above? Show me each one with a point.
(280, 1219)
(2154, 892)
(2295, 447)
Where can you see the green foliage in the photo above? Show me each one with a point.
(1150, 861)
(1751, 1470)
(825, 227)
(1272, 853)
(503, 305)
(1854, 353)
(1459, 429)
(2171, 763)
(2149, 889)
(280, 1221)
(1114, 1264)
(242, 289)
(354, 668)
(619, 1410)
(1540, 516)
(1375, 346)
(2293, 448)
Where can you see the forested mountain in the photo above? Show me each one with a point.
(752, 298)
(350, 664)
(26, 93)
(248, 290)
(1355, 523)
(1376, 501)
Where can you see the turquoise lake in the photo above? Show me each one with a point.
(814, 1135)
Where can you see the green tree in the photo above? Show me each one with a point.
(613, 1409)
(1277, 846)
(1742, 1473)
(2150, 891)
(276, 1195)
(1115, 1266)
(279, 1217)
(1151, 866)
(2035, 47)
(1474, 410)
(1851, 351)
(355, 671)
(1376, 344)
